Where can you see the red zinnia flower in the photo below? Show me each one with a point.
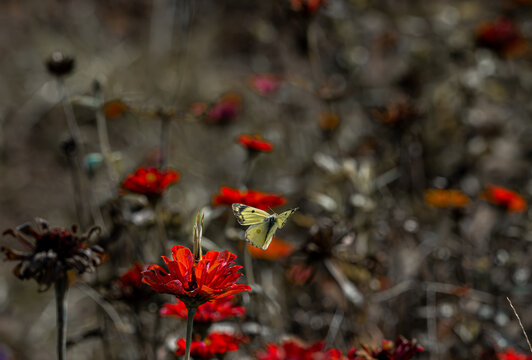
(502, 36)
(151, 182)
(402, 349)
(265, 84)
(211, 278)
(308, 7)
(217, 310)
(254, 198)
(215, 344)
(129, 286)
(294, 350)
(510, 354)
(506, 198)
(225, 110)
(255, 143)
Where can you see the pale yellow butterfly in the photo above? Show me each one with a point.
(262, 224)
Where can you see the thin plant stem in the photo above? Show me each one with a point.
(190, 323)
(165, 132)
(520, 323)
(61, 287)
(248, 262)
(79, 151)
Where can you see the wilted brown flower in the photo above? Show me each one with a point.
(50, 253)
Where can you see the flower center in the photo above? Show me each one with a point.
(151, 177)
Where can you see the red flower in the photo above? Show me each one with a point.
(225, 110)
(214, 344)
(308, 7)
(258, 199)
(211, 278)
(402, 349)
(151, 182)
(502, 36)
(510, 354)
(210, 312)
(506, 198)
(130, 287)
(265, 84)
(255, 143)
(295, 350)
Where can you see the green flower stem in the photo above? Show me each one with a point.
(61, 287)
(190, 322)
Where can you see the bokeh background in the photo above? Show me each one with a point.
(372, 104)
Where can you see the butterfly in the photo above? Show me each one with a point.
(262, 224)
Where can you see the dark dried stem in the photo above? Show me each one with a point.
(190, 323)
(165, 132)
(61, 287)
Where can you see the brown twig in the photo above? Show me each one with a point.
(520, 323)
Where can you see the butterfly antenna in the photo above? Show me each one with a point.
(272, 210)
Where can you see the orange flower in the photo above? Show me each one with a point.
(329, 121)
(278, 249)
(506, 198)
(446, 198)
(151, 182)
(254, 198)
(255, 143)
(213, 277)
(114, 109)
(502, 36)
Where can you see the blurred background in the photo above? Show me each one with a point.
(401, 130)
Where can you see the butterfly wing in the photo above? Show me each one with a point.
(247, 215)
(283, 217)
(261, 235)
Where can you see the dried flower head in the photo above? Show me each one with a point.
(211, 278)
(51, 252)
(306, 7)
(59, 64)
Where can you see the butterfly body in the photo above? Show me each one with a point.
(262, 225)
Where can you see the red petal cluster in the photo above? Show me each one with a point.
(294, 350)
(307, 7)
(226, 109)
(504, 197)
(151, 182)
(213, 277)
(258, 199)
(214, 344)
(502, 36)
(210, 312)
(402, 349)
(510, 354)
(255, 143)
(265, 84)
